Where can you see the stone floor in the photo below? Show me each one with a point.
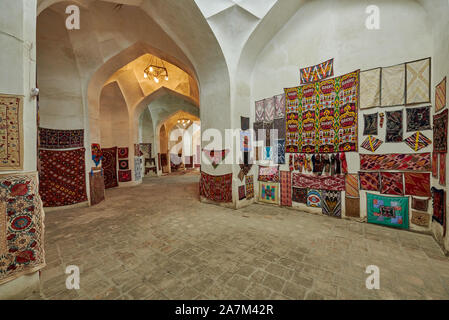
(157, 241)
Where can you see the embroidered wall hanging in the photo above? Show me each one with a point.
(62, 177)
(286, 188)
(370, 124)
(292, 117)
(216, 188)
(317, 72)
(314, 198)
(123, 164)
(393, 86)
(352, 185)
(391, 183)
(269, 106)
(420, 204)
(418, 119)
(370, 88)
(418, 81)
(11, 133)
(124, 175)
(109, 165)
(371, 143)
(269, 192)
(299, 195)
(435, 165)
(333, 183)
(394, 126)
(242, 194)
(96, 182)
(440, 96)
(417, 141)
(396, 161)
(440, 132)
(269, 174)
(369, 181)
(417, 184)
(216, 156)
(420, 219)
(249, 184)
(279, 107)
(352, 207)
(332, 203)
(300, 180)
(439, 207)
(389, 211)
(260, 111)
(123, 153)
(60, 139)
(97, 154)
(442, 178)
(21, 226)
(137, 168)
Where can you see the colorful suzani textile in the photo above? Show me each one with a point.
(352, 207)
(352, 185)
(123, 164)
(440, 132)
(389, 211)
(96, 181)
(314, 198)
(60, 139)
(123, 153)
(62, 177)
(286, 188)
(317, 72)
(249, 186)
(435, 165)
(440, 96)
(292, 117)
(269, 174)
(420, 204)
(417, 141)
(216, 156)
(371, 144)
(11, 132)
(332, 203)
(269, 192)
(394, 126)
(439, 206)
(442, 178)
(418, 119)
(124, 176)
(417, 184)
(369, 181)
(334, 183)
(299, 195)
(370, 88)
(109, 165)
(396, 161)
(21, 226)
(370, 124)
(392, 183)
(418, 81)
(393, 86)
(216, 188)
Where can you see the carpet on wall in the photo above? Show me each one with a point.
(286, 188)
(125, 176)
(440, 96)
(352, 185)
(418, 119)
(314, 198)
(21, 226)
(417, 184)
(369, 181)
(420, 204)
(442, 173)
(60, 139)
(396, 161)
(269, 174)
(332, 203)
(317, 72)
(242, 193)
(109, 165)
(299, 195)
(11, 132)
(394, 126)
(370, 124)
(392, 183)
(389, 211)
(96, 182)
(249, 186)
(269, 192)
(420, 219)
(216, 188)
(440, 127)
(62, 177)
(123, 153)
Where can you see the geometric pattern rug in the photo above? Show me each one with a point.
(369, 181)
(396, 161)
(216, 188)
(440, 126)
(60, 139)
(417, 141)
(109, 165)
(417, 184)
(392, 183)
(286, 188)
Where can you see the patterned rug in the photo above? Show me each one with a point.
(123, 164)
(249, 184)
(109, 165)
(242, 194)
(393, 86)
(332, 203)
(389, 211)
(299, 195)
(420, 204)
(216, 188)
(352, 207)
(269, 192)
(123, 153)
(396, 161)
(260, 110)
(435, 165)
(394, 126)
(279, 108)
(314, 198)
(269, 174)
(286, 188)
(352, 185)
(369, 181)
(418, 81)
(417, 184)
(392, 183)
(317, 72)
(440, 96)
(370, 124)
(440, 132)
(21, 226)
(442, 178)
(371, 144)
(269, 133)
(60, 139)
(11, 132)
(418, 119)
(420, 219)
(417, 141)
(125, 176)
(96, 181)
(269, 106)
(439, 207)
(370, 88)
(333, 183)
(62, 177)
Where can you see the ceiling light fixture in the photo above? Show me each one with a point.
(155, 70)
